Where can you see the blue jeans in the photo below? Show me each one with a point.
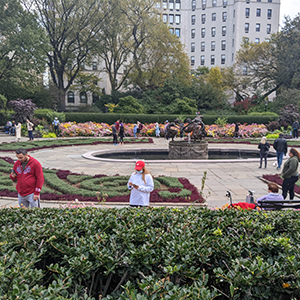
(279, 158)
(30, 135)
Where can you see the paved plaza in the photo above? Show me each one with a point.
(237, 177)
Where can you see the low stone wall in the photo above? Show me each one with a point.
(186, 150)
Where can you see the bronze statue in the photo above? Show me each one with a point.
(197, 127)
(172, 129)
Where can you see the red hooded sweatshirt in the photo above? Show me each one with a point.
(29, 180)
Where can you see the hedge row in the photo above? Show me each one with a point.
(149, 253)
(133, 118)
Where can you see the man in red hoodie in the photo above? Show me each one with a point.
(30, 178)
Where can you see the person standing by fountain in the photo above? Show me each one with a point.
(114, 133)
(141, 185)
(121, 133)
(264, 147)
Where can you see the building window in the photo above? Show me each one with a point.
(203, 18)
(223, 57)
(177, 32)
(171, 4)
(232, 56)
(165, 18)
(213, 46)
(171, 30)
(213, 16)
(270, 1)
(269, 13)
(165, 4)
(203, 4)
(267, 40)
(177, 19)
(245, 71)
(171, 19)
(214, 3)
(202, 60)
(177, 5)
(234, 13)
(257, 27)
(246, 40)
(213, 31)
(193, 19)
(202, 46)
(192, 60)
(193, 4)
(268, 28)
(95, 98)
(232, 42)
(71, 98)
(233, 28)
(224, 16)
(258, 12)
(94, 66)
(247, 1)
(246, 27)
(212, 59)
(258, 0)
(257, 41)
(223, 45)
(223, 30)
(193, 47)
(247, 12)
(193, 33)
(83, 98)
(224, 3)
(203, 32)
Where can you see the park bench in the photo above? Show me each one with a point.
(292, 204)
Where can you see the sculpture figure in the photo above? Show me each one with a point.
(196, 127)
(172, 129)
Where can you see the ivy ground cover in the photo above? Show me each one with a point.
(66, 186)
(36, 145)
(149, 253)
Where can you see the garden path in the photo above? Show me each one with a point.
(238, 177)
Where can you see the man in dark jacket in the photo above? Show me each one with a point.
(280, 145)
(295, 127)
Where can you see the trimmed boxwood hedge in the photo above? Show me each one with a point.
(149, 253)
(144, 118)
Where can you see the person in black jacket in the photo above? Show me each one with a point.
(114, 133)
(295, 127)
(264, 147)
(280, 145)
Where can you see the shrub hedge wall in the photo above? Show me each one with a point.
(132, 118)
(149, 253)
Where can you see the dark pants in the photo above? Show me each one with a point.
(115, 139)
(295, 133)
(30, 135)
(263, 156)
(288, 186)
(56, 130)
(121, 137)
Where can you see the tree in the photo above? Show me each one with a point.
(71, 28)
(128, 105)
(23, 109)
(22, 48)
(184, 106)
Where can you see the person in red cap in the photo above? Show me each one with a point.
(141, 185)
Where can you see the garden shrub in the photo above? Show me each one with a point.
(170, 181)
(167, 194)
(149, 253)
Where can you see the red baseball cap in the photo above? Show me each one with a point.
(139, 165)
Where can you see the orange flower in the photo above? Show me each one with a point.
(285, 285)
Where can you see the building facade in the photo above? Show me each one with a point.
(212, 30)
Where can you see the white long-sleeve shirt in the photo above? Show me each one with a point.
(140, 196)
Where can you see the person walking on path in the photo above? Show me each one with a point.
(280, 145)
(56, 125)
(166, 129)
(18, 132)
(157, 130)
(264, 147)
(30, 130)
(290, 173)
(272, 196)
(295, 127)
(114, 133)
(135, 129)
(121, 133)
(141, 185)
(30, 179)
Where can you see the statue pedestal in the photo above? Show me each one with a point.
(186, 150)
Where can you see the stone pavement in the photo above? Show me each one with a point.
(237, 177)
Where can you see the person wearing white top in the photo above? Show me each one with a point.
(141, 185)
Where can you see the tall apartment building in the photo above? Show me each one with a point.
(212, 30)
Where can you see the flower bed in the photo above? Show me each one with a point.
(66, 186)
(149, 253)
(279, 180)
(72, 129)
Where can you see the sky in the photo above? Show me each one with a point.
(289, 8)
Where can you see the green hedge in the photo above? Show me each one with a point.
(132, 118)
(149, 253)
